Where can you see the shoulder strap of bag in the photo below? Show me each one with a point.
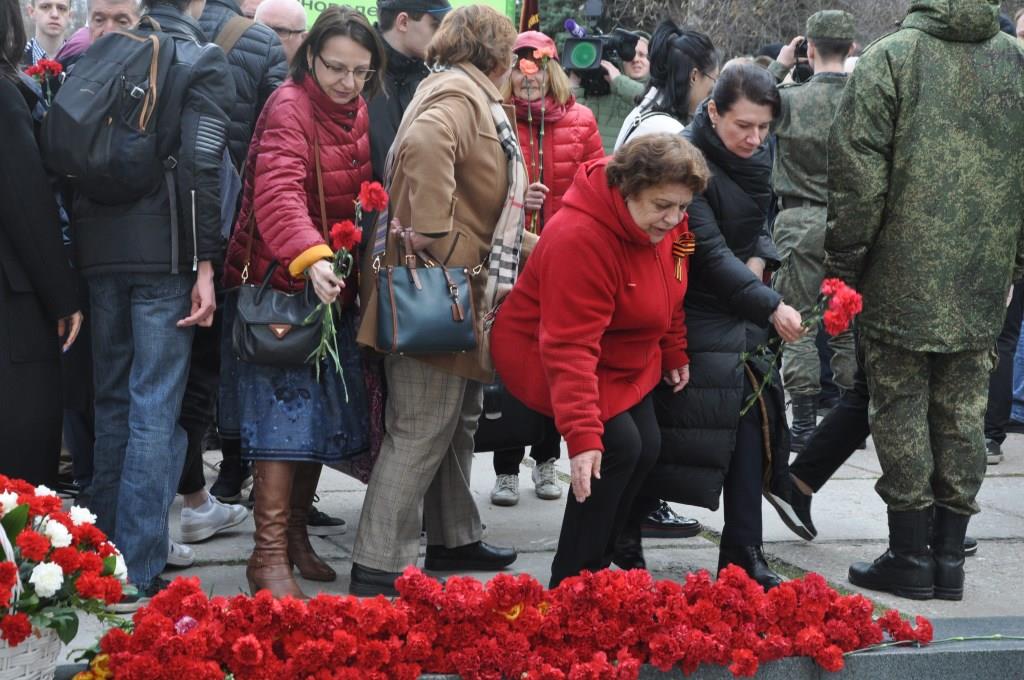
(251, 224)
(232, 32)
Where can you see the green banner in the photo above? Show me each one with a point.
(369, 7)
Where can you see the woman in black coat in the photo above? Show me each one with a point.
(707, 447)
(38, 296)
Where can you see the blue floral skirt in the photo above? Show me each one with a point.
(286, 414)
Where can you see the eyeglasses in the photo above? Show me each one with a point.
(285, 33)
(714, 79)
(359, 74)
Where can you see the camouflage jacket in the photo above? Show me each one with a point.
(802, 131)
(925, 206)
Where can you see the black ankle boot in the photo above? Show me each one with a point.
(805, 419)
(948, 532)
(751, 559)
(906, 569)
(629, 551)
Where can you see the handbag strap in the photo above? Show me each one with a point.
(251, 224)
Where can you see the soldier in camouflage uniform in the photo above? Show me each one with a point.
(925, 218)
(800, 180)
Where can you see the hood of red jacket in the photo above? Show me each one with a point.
(591, 195)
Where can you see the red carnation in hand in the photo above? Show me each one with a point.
(844, 303)
(373, 197)
(346, 235)
(33, 545)
(15, 628)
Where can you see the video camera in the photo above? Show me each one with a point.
(583, 55)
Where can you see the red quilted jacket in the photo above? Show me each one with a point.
(568, 143)
(281, 185)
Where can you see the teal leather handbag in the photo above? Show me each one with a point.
(423, 307)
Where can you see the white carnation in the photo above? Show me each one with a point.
(8, 502)
(120, 569)
(80, 516)
(45, 491)
(47, 578)
(58, 534)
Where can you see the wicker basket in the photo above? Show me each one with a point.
(33, 659)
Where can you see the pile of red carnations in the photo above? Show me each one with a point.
(595, 626)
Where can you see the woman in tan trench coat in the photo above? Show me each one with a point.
(449, 185)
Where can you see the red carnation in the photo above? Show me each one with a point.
(373, 197)
(15, 628)
(68, 558)
(830, 658)
(39, 506)
(744, 663)
(90, 587)
(33, 545)
(247, 651)
(844, 303)
(345, 236)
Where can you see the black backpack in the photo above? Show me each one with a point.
(101, 130)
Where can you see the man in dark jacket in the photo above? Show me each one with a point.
(150, 270)
(924, 217)
(257, 68)
(406, 27)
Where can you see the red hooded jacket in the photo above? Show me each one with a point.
(596, 316)
(281, 184)
(569, 142)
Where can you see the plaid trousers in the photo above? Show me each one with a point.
(424, 466)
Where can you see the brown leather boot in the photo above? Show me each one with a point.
(300, 550)
(269, 567)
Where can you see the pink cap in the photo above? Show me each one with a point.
(535, 40)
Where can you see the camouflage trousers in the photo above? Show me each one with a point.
(927, 415)
(800, 237)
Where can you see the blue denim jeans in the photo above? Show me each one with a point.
(141, 364)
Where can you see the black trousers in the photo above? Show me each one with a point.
(1000, 386)
(741, 494)
(837, 436)
(506, 461)
(632, 442)
(198, 406)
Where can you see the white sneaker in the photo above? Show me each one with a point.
(201, 523)
(506, 490)
(179, 555)
(545, 481)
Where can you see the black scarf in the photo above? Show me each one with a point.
(753, 175)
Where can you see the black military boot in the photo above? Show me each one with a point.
(906, 569)
(805, 419)
(751, 559)
(949, 530)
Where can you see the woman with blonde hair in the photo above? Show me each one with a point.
(557, 135)
(457, 180)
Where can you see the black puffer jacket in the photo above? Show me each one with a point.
(138, 237)
(257, 65)
(727, 310)
(402, 77)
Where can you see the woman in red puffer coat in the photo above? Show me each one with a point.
(540, 91)
(310, 149)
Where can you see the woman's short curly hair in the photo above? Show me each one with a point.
(655, 159)
(475, 34)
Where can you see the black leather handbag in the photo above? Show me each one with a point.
(424, 309)
(274, 328)
(506, 422)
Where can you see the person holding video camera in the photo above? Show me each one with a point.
(627, 82)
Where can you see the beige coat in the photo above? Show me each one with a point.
(450, 181)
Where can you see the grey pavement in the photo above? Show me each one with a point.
(848, 514)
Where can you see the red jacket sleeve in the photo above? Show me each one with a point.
(592, 146)
(576, 305)
(280, 199)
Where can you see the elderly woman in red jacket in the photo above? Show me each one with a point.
(556, 135)
(596, 321)
(311, 147)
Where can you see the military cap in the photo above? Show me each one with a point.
(435, 7)
(830, 24)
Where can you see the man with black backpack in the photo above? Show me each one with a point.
(139, 131)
